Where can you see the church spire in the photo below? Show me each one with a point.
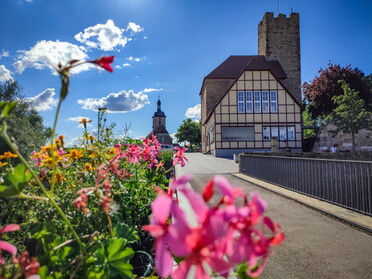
(159, 103)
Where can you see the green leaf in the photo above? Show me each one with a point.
(118, 257)
(15, 181)
(122, 230)
(6, 108)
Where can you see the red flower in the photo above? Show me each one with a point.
(104, 62)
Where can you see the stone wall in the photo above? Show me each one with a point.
(326, 139)
(279, 38)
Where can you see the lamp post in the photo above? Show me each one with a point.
(101, 112)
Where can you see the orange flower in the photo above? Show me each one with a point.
(84, 121)
(3, 164)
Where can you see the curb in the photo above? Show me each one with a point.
(355, 219)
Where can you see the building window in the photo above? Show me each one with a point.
(273, 101)
(266, 133)
(291, 133)
(285, 133)
(237, 133)
(257, 101)
(265, 101)
(274, 132)
(241, 101)
(249, 103)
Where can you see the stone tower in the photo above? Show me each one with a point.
(158, 126)
(279, 38)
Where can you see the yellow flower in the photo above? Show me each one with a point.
(88, 167)
(111, 150)
(93, 155)
(8, 155)
(48, 161)
(75, 154)
(3, 164)
(57, 178)
(46, 148)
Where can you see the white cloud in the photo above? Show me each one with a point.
(5, 74)
(4, 53)
(193, 112)
(108, 36)
(118, 67)
(134, 27)
(48, 54)
(127, 65)
(117, 102)
(44, 101)
(135, 59)
(147, 90)
(77, 118)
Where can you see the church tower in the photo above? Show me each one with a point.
(159, 127)
(279, 38)
(159, 117)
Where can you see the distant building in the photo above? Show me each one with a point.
(159, 126)
(247, 101)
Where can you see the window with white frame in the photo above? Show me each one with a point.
(237, 133)
(240, 101)
(291, 133)
(265, 101)
(249, 102)
(282, 133)
(257, 101)
(273, 101)
(266, 133)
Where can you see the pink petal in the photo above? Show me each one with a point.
(161, 208)
(182, 181)
(226, 189)
(182, 270)
(10, 228)
(163, 259)
(5, 246)
(197, 203)
(200, 272)
(220, 266)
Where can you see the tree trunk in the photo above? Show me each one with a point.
(353, 141)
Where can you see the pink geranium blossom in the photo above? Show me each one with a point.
(228, 233)
(5, 246)
(179, 157)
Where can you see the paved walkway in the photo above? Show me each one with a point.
(316, 245)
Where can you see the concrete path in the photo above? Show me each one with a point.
(316, 245)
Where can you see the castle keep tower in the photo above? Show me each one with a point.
(279, 38)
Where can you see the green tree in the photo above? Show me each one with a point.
(350, 114)
(189, 131)
(25, 124)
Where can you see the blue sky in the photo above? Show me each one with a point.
(162, 47)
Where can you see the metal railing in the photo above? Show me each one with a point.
(345, 183)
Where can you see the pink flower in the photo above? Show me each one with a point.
(224, 235)
(81, 202)
(29, 266)
(133, 153)
(104, 62)
(5, 245)
(179, 157)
